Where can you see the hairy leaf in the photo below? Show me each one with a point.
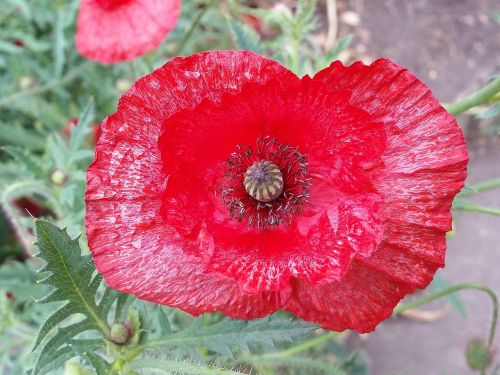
(229, 334)
(74, 282)
(169, 366)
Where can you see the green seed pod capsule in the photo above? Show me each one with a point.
(263, 181)
(479, 357)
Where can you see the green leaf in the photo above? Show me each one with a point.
(20, 279)
(75, 283)
(57, 346)
(59, 44)
(82, 129)
(341, 45)
(490, 113)
(229, 334)
(305, 11)
(18, 136)
(29, 161)
(168, 366)
(244, 36)
(95, 360)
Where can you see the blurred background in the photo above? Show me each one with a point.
(451, 45)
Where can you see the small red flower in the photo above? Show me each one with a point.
(110, 31)
(225, 182)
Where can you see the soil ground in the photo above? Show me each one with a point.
(453, 46)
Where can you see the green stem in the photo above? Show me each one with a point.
(317, 341)
(401, 308)
(193, 27)
(69, 77)
(149, 62)
(132, 71)
(477, 208)
(479, 97)
(285, 357)
(480, 187)
(294, 54)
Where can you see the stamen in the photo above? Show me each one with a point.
(265, 185)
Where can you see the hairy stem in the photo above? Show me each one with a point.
(478, 208)
(479, 97)
(317, 341)
(494, 300)
(480, 187)
(193, 27)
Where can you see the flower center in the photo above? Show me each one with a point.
(265, 185)
(111, 4)
(263, 181)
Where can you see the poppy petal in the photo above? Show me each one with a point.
(126, 235)
(115, 31)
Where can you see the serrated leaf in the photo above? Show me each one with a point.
(244, 36)
(169, 366)
(305, 11)
(74, 281)
(95, 360)
(57, 345)
(229, 334)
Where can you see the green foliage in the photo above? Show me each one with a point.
(244, 36)
(227, 335)
(44, 84)
(75, 283)
(169, 366)
(80, 326)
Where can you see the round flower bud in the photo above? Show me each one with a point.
(75, 368)
(478, 355)
(58, 177)
(120, 333)
(26, 82)
(123, 85)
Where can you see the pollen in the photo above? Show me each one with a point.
(263, 181)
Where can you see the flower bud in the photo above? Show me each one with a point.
(120, 333)
(74, 368)
(123, 85)
(58, 177)
(478, 355)
(26, 82)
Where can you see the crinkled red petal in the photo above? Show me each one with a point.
(389, 198)
(425, 167)
(124, 31)
(317, 247)
(132, 246)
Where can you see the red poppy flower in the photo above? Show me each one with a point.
(225, 182)
(110, 31)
